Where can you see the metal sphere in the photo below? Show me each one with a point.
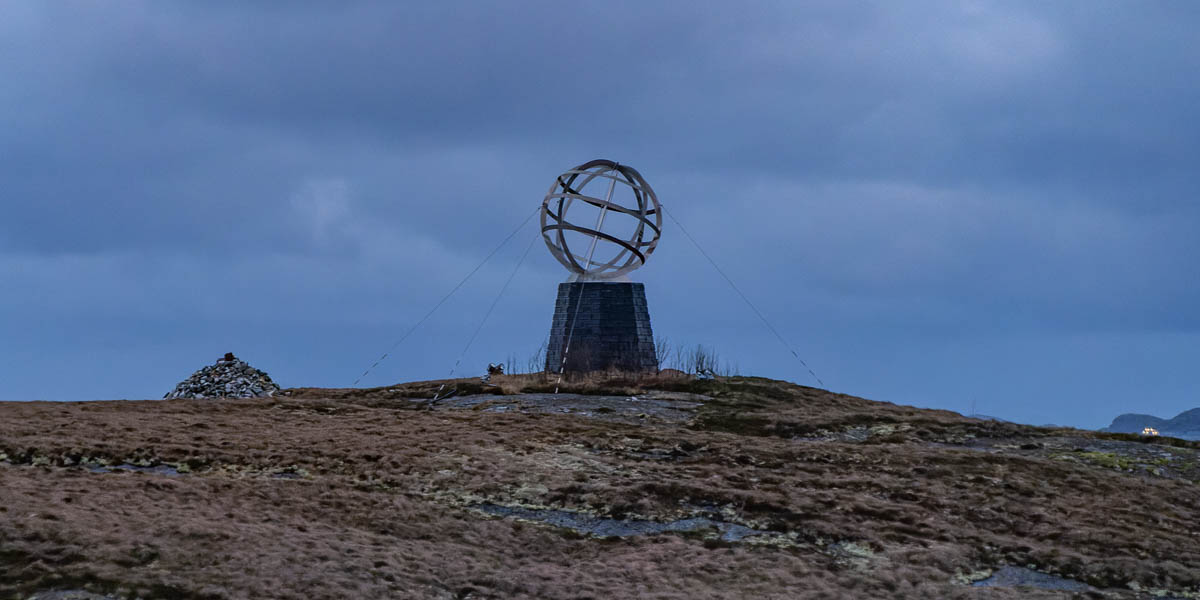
(606, 255)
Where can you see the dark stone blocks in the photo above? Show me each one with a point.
(611, 328)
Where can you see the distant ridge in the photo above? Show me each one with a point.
(985, 417)
(1185, 425)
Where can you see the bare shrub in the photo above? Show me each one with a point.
(694, 360)
(678, 360)
(662, 353)
(536, 363)
(701, 360)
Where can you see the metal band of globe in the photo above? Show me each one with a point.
(593, 268)
(589, 175)
(604, 236)
(616, 208)
(628, 176)
(609, 269)
(626, 247)
(610, 206)
(590, 171)
(568, 187)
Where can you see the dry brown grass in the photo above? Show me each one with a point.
(616, 383)
(381, 511)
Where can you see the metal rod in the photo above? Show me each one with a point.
(600, 222)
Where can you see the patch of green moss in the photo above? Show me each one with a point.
(1107, 460)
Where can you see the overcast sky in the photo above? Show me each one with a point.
(937, 204)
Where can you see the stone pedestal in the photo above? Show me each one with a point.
(611, 328)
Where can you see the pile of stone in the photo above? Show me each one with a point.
(230, 377)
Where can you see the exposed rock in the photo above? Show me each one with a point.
(604, 527)
(1021, 576)
(230, 377)
(70, 595)
(840, 497)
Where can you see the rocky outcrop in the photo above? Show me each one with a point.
(230, 377)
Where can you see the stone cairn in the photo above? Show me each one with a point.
(230, 377)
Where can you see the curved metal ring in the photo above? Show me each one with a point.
(568, 187)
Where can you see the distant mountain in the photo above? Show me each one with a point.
(1188, 420)
(1184, 425)
(1136, 423)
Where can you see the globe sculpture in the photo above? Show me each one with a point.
(601, 220)
(593, 184)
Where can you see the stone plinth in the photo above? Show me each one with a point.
(611, 328)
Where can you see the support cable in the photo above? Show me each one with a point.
(579, 301)
(744, 298)
(491, 308)
(445, 298)
(570, 332)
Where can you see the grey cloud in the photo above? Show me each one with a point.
(877, 175)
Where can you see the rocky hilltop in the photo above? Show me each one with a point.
(229, 377)
(1185, 425)
(664, 487)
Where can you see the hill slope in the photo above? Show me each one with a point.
(1185, 425)
(739, 487)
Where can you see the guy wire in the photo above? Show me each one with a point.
(491, 308)
(739, 293)
(446, 297)
(571, 332)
